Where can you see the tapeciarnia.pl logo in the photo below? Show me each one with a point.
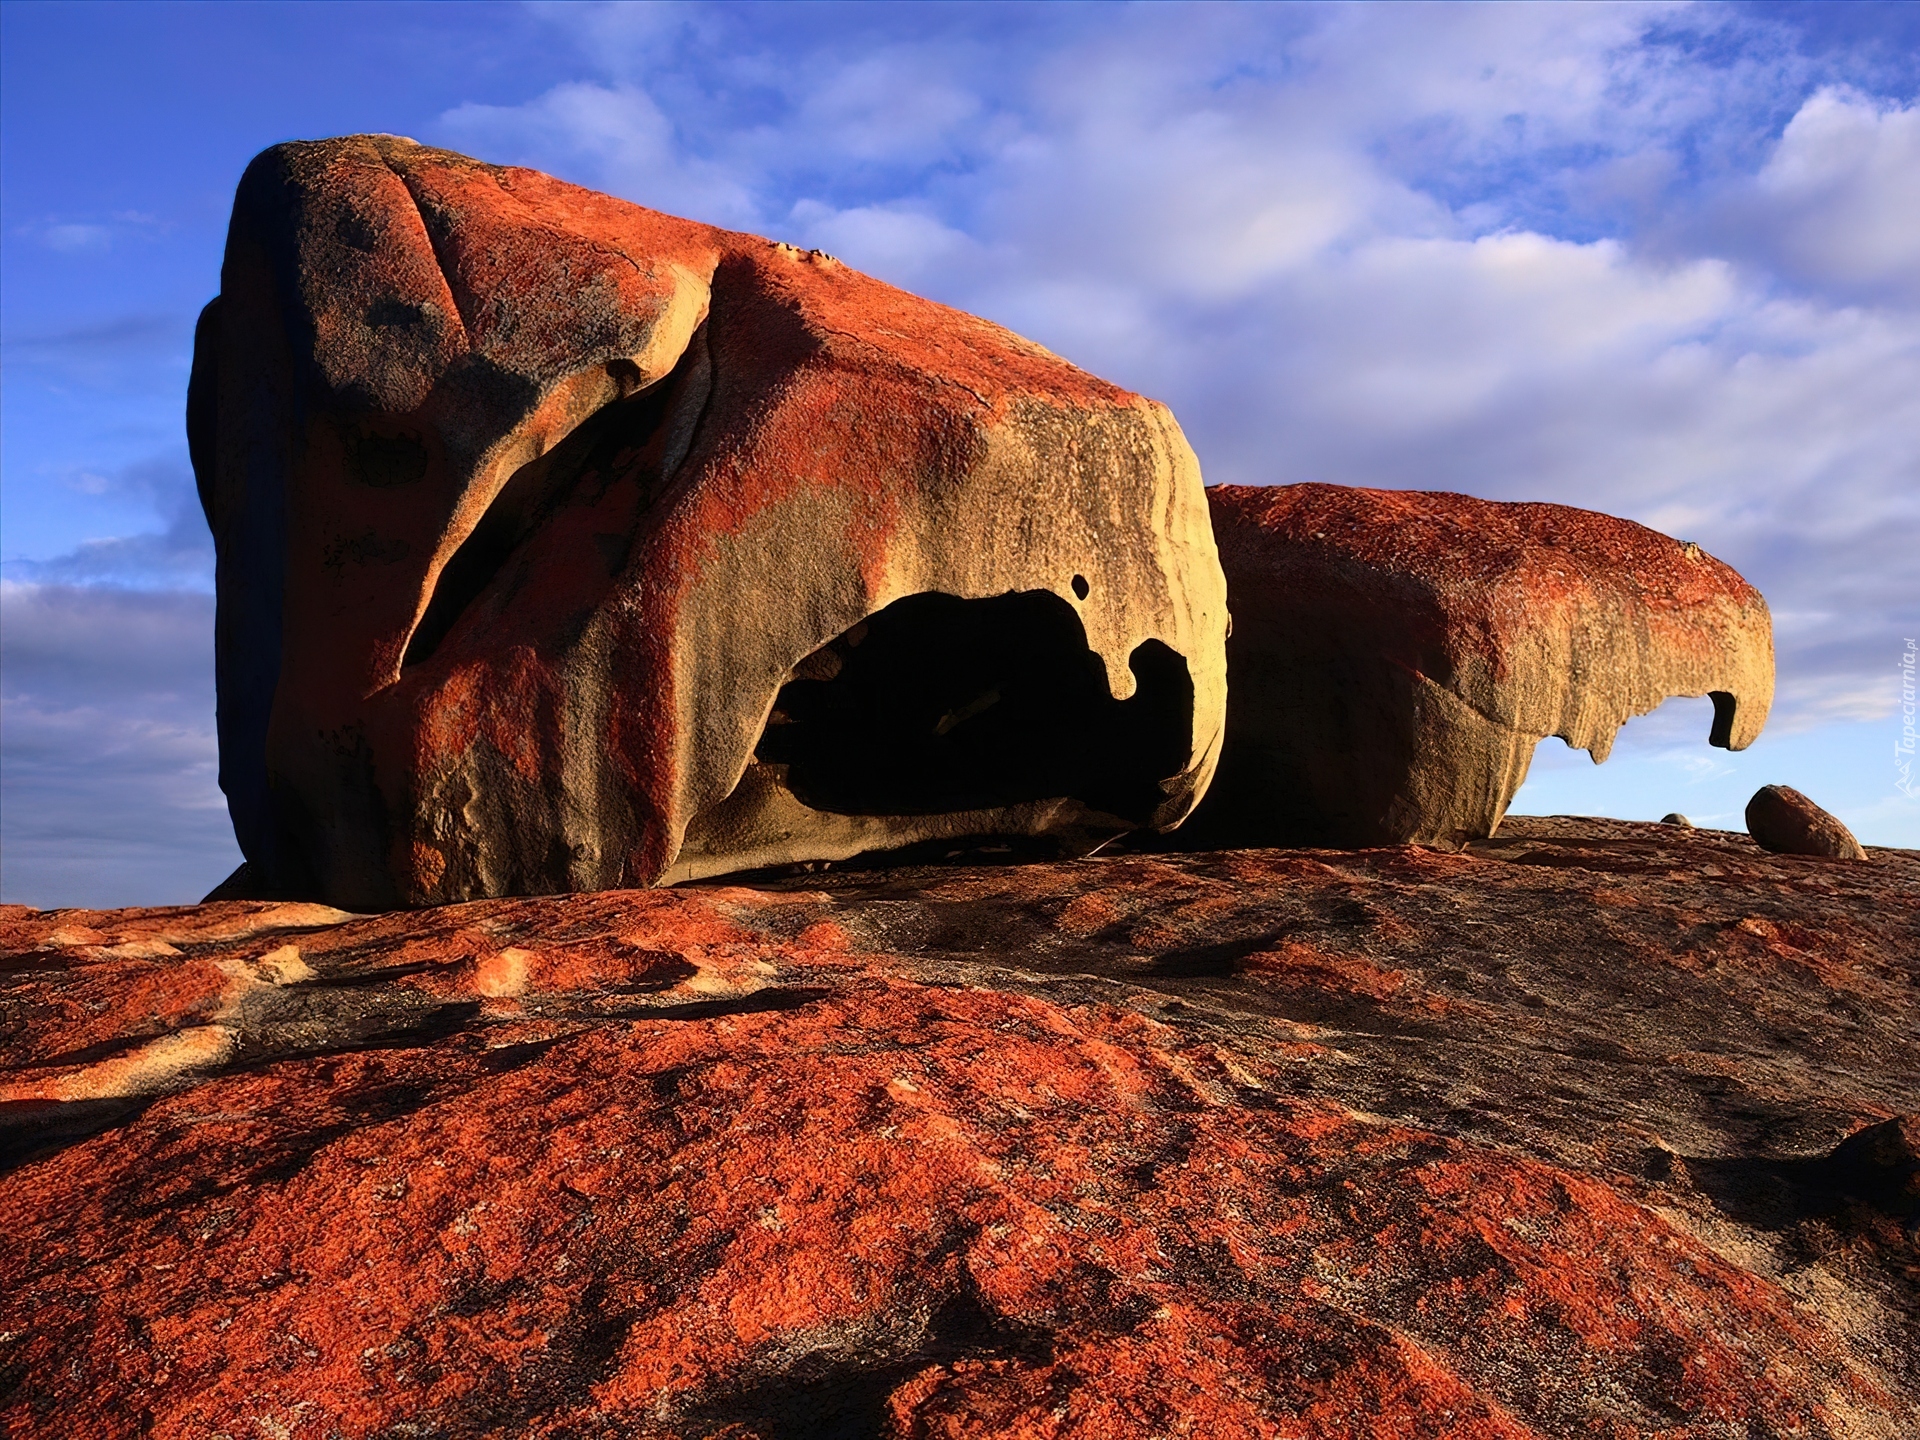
(1903, 747)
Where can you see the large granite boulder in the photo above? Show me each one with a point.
(1594, 1129)
(1396, 656)
(564, 545)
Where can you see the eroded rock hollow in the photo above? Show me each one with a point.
(1396, 656)
(566, 545)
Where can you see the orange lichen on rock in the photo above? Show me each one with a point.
(1112, 1148)
(566, 545)
(1396, 655)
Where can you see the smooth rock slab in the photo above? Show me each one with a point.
(1538, 1138)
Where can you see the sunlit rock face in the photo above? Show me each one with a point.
(566, 545)
(1594, 1129)
(1396, 656)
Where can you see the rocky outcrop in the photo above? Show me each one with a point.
(1593, 1129)
(566, 545)
(1786, 822)
(1396, 656)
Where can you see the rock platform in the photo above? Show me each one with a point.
(1530, 1139)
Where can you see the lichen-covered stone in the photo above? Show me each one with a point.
(1396, 656)
(550, 529)
(1592, 1129)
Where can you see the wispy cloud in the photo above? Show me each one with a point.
(1835, 210)
(128, 354)
(123, 334)
(179, 555)
(107, 743)
(67, 235)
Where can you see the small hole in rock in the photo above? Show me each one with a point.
(1081, 587)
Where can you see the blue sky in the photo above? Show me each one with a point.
(1658, 260)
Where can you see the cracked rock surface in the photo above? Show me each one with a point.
(1535, 1138)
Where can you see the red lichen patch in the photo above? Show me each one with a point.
(514, 972)
(1456, 542)
(97, 1003)
(24, 930)
(1829, 961)
(943, 1153)
(750, 1187)
(1302, 967)
(1192, 1371)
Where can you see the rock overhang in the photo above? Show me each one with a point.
(1397, 655)
(530, 501)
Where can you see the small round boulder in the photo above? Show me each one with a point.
(1788, 823)
(1676, 818)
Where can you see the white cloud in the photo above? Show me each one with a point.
(891, 104)
(908, 246)
(617, 134)
(108, 750)
(1838, 202)
(177, 555)
(71, 237)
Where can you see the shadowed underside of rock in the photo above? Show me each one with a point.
(1544, 1138)
(1396, 656)
(565, 545)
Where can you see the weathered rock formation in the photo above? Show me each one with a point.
(566, 545)
(1786, 822)
(1396, 656)
(1591, 1130)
